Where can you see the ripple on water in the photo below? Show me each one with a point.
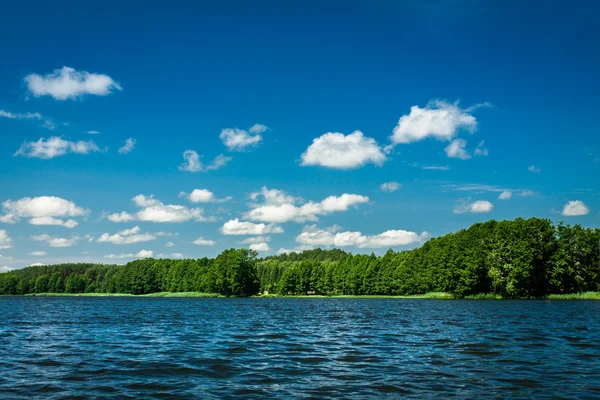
(284, 348)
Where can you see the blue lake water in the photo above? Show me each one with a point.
(310, 348)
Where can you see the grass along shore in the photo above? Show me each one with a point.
(432, 295)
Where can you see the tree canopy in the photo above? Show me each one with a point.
(522, 258)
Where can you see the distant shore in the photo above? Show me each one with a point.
(434, 295)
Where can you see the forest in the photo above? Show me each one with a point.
(521, 258)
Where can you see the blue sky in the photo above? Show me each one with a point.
(468, 111)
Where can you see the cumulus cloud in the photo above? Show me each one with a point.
(70, 223)
(255, 240)
(37, 264)
(481, 150)
(153, 210)
(172, 255)
(277, 211)
(260, 247)
(169, 244)
(37, 253)
(479, 206)
(55, 241)
(128, 146)
(203, 196)
(314, 236)
(456, 149)
(42, 210)
(534, 169)
(192, 162)
(505, 195)
(239, 140)
(339, 151)
(54, 147)
(140, 254)
(273, 197)
(204, 242)
(237, 227)
(121, 217)
(390, 186)
(439, 120)
(5, 269)
(127, 236)
(258, 128)
(5, 240)
(67, 83)
(575, 208)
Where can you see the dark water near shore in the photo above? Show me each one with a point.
(283, 348)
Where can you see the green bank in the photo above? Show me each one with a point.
(514, 259)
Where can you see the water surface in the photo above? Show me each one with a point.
(309, 348)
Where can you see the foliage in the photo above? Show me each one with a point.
(523, 258)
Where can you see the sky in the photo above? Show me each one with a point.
(180, 129)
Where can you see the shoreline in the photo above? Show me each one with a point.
(430, 296)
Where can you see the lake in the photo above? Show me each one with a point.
(310, 348)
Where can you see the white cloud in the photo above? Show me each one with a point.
(274, 196)
(27, 115)
(279, 212)
(127, 236)
(144, 254)
(435, 167)
(5, 257)
(67, 83)
(260, 247)
(37, 253)
(172, 255)
(439, 120)
(55, 241)
(140, 254)
(298, 249)
(481, 150)
(93, 132)
(70, 223)
(9, 219)
(42, 210)
(121, 217)
(128, 146)
(456, 149)
(239, 140)
(255, 240)
(335, 150)
(237, 227)
(313, 236)
(153, 210)
(258, 128)
(192, 162)
(44, 123)
(505, 195)
(479, 206)
(169, 244)
(204, 242)
(128, 232)
(534, 169)
(37, 264)
(575, 208)
(54, 147)
(5, 269)
(390, 186)
(203, 196)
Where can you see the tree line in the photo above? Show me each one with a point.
(522, 258)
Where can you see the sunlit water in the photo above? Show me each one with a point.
(283, 348)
